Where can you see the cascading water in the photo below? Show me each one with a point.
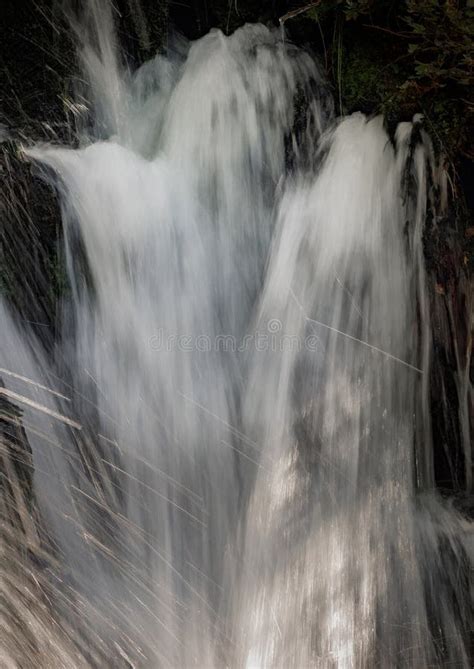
(341, 556)
(231, 445)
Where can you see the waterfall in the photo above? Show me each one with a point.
(230, 444)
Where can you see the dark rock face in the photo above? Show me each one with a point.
(17, 465)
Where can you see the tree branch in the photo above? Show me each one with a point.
(390, 32)
(300, 10)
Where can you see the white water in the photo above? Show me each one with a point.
(247, 478)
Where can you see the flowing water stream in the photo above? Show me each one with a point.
(231, 441)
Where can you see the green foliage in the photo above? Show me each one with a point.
(353, 9)
(400, 58)
(368, 86)
(442, 41)
(441, 48)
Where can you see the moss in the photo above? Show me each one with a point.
(59, 285)
(367, 85)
